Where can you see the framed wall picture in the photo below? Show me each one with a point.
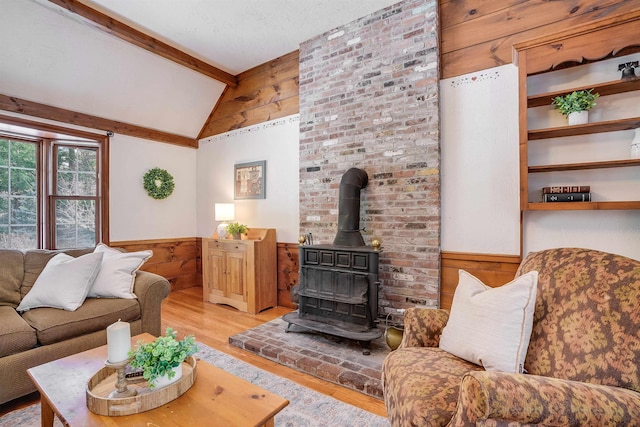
(250, 180)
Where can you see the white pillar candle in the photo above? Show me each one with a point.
(118, 341)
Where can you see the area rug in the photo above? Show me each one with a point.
(306, 407)
(330, 358)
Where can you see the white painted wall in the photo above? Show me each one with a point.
(480, 166)
(133, 213)
(277, 142)
(479, 146)
(51, 58)
(202, 177)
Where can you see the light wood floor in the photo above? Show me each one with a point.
(213, 324)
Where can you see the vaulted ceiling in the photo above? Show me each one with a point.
(53, 56)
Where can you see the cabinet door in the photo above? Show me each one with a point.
(236, 275)
(215, 273)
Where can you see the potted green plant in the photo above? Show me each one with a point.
(161, 360)
(235, 229)
(576, 105)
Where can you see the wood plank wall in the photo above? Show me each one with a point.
(175, 259)
(179, 260)
(266, 92)
(288, 272)
(479, 34)
(493, 270)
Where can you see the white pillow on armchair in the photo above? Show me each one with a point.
(491, 327)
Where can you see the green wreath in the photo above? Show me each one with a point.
(158, 183)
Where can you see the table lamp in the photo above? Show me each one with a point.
(224, 212)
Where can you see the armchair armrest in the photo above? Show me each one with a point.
(150, 289)
(530, 399)
(423, 326)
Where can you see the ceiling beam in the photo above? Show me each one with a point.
(121, 30)
(30, 108)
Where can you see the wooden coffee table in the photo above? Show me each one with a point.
(216, 397)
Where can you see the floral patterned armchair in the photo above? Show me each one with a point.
(582, 363)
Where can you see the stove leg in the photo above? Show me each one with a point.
(365, 347)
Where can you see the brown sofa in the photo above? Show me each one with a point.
(44, 334)
(582, 363)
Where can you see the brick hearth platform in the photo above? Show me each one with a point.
(333, 359)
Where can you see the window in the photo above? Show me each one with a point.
(18, 194)
(74, 199)
(51, 188)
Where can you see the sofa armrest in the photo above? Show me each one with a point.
(150, 289)
(423, 326)
(530, 399)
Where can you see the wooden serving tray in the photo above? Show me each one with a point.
(104, 382)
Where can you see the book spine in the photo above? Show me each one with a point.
(566, 189)
(567, 197)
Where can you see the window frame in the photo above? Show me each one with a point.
(47, 138)
(52, 195)
(38, 168)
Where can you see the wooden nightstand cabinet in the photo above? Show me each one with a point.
(241, 273)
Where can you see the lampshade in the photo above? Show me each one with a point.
(225, 211)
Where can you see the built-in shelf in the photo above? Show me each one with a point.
(586, 129)
(604, 89)
(610, 38)
(585, 165)
(583, 206)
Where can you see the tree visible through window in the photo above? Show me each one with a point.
(49, 193)
(75, 199)
(18, 194)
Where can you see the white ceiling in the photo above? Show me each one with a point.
(236, 35)
(51, 56)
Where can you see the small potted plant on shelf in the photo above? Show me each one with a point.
(161, 360)
(576, 105)
(236, 230)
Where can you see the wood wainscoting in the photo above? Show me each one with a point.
(288, 272)
(178, 260)
(493, 270)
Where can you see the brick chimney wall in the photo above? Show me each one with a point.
(369, 99)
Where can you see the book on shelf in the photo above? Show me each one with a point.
(561, 189)
(567, 197)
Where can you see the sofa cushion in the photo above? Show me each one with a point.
(53, 325)
(489, 326)
(15, 334)
(63, 283)
(11, 276)
(35, 261)
(117, 273)
(421, 385)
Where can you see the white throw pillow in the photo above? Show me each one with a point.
(491, 327)
(63, 283)
(118, 272)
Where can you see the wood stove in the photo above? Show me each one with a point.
(338, 291)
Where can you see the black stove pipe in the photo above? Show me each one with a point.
(352, 182)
